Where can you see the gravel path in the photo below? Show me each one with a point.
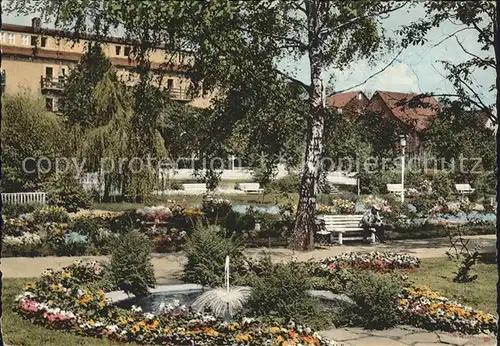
(167, 266)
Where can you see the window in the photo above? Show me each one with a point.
(2, 36)
(49, 71)
(360, 96)
(126, 51)
(170, 83)
(339, 110)
(26, 40)
(12, 39)
(49, 104)
(44, 41)
(118, 49)
(34, 39)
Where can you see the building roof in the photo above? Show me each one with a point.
(340, 100)
(403, 107)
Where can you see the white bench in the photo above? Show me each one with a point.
(24, 198)
(195, 188)
(342, 226)
(394, 188)
(250, 187)
(464, 188)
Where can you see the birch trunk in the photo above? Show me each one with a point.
(303, 233)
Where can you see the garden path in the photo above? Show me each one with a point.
(168, 266)
(403, 336)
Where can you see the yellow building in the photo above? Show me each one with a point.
(37, 59)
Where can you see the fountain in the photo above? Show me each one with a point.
(223, 301)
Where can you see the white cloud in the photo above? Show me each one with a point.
(395, 78)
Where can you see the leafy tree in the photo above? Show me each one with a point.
(236, 41)
(456, 134)
(41, 139)
(478, 17)
(76, 101)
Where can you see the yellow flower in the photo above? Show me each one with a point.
(66, 275)
(233, 326)
(92, 322)
(122, 320)
(280, 339)
(275, 330)
(29, 286)
(135, 328)
(211, 332)
(242, 337)
(154, 325)
(102, 303)
(142, 323)
(166, 329)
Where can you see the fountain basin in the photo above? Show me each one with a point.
(186, 294)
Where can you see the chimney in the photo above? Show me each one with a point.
(36, 24)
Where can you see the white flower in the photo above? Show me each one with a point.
(149, 316)
(248, 320)
(136, 309)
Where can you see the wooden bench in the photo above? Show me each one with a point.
(394, 188)
(250, 187)
(195, 188)
(342, 227)
(464, 188)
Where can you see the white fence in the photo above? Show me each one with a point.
(24, 198)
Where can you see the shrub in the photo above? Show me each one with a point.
(75, 244)
(206, 250)
(14, 210)
(281, 291)
(50, 214)
(376, 298)
(65, 191)
(216, 207)
(289, 184)
(130, 264)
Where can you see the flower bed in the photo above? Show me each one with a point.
(378, 261)
(71, 300)
(425, 308)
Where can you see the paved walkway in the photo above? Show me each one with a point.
(168, 266)
(403, 336)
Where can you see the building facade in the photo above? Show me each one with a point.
(37, 60)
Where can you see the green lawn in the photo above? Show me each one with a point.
(271, 198)
(437, 274)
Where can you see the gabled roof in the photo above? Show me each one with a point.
(340, 100)
(417, 116)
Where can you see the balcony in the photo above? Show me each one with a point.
(3, 79)
(179, 94)
(49, 83)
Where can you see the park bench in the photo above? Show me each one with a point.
(195, 188)
(24, 198)
(250, 187)
(464, 188)
(340, 227)
(394, 188)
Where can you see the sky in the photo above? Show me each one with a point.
(418, 69)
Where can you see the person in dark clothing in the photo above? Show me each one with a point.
(371, 219)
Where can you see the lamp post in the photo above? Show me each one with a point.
(402, 142)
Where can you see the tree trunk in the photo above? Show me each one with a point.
(497, 57)
(303, 233)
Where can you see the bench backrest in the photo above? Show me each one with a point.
(461, 187)
(394, 187)
(341, 221)
(24, 198)
(194, 186)
(249, 186)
